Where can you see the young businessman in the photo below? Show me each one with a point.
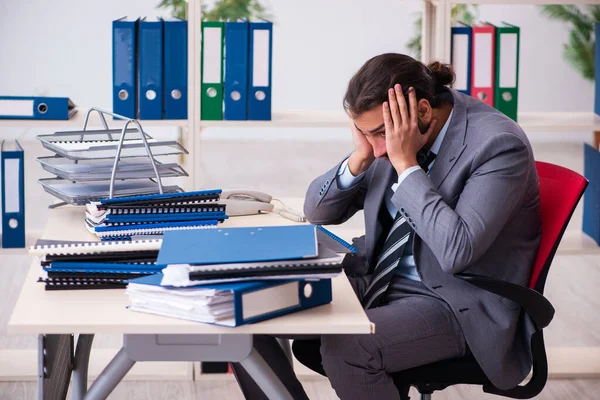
(447, 185)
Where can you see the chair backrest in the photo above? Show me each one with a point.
(560, 192)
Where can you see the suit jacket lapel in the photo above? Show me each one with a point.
(379, 184)
(453, 144)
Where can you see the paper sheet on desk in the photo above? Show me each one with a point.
(178, 276)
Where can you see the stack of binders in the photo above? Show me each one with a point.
(84, 163)
(127, 217)
(236, 83)
(68, 265)
(234, 276)
(150, 68)
(485, 59)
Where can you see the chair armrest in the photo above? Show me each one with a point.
(532, 302)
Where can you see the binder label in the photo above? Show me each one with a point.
(483, 60)
(16, 108)
(508, 60)
(267, 301)
(212, 55)
(11, 188)
(460, 61)
(260, 71)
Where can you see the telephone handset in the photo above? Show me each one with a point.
(249, 202)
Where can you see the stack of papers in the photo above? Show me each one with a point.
(228, 304)
(274, 270)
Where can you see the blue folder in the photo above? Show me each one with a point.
(13, 195)
(151, 69)
(250, 305)
(176, 68)
(233, 245)
(456, 32)
(591, 198)
(170, 217)
(154, 225)
(597, 69)
(167, 197)
(103, 268)
(236, 70)
(26, 107)
(124, 67)
(260, 63)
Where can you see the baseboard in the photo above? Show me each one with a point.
(573, 362)
(21, 365)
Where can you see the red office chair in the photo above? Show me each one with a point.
(560, 191)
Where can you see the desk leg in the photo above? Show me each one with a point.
(55, 363)
(110, 376)
(80, 367)
(287, 349)
(264, 377)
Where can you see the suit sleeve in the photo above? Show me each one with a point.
(328, 203)
(492, 193)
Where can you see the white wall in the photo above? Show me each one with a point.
(63, 48)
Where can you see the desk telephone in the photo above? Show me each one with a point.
(248, 202)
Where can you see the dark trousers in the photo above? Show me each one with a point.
(413, 327)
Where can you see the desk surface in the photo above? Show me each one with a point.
(104, 311)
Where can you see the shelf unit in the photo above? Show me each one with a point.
(436, 45)
(437, 22)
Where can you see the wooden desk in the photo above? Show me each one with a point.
(87, 312)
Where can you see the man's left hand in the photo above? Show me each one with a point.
(402, 135)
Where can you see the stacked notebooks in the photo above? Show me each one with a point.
(225, 276)
(126, 217)
(234, 276)
(70, 265)
(84, 162)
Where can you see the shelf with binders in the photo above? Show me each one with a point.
(76, 121)
(529, 121)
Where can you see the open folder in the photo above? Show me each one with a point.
(254, 244)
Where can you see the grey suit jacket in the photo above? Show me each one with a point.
(477, 212)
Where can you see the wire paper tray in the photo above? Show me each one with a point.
(94, 150)
(80, 183)
(101, 170)
(83, 192)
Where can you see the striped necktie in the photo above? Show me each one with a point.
(392, 250)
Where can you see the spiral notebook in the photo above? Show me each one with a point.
(166, 199)
(44, 247)
(126, 230)
(86, 282)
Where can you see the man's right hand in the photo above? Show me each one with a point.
(361, 159)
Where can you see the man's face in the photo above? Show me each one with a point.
(370, 124)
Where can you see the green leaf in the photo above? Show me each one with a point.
(594, 11)
(579, 52)
(567, 13)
